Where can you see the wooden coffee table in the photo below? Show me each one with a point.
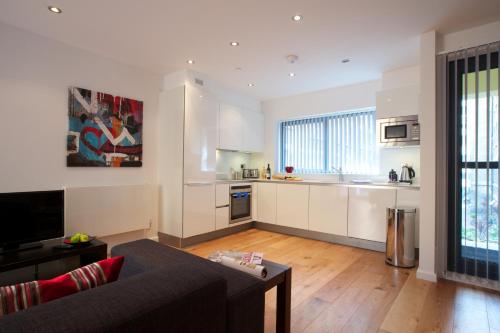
(280, 276)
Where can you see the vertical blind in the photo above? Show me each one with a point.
(326, 144)
(473, 159)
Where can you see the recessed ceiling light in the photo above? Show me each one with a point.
(296, 18)
(291, 74)
(250, 84)
(54, 9)
(238, 69)
(234, 43)
(190, 61)
(345, 61)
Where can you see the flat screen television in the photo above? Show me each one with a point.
(30, 217)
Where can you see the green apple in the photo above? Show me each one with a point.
(84, 238)
(75, 238)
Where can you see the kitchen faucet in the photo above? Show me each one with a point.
(339, 172)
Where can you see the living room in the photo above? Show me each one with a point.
(351, 146)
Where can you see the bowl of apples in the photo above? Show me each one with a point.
(78, 239)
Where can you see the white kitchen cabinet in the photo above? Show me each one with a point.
(410, 198)
(240, 129)
(397, 102)
(253, 131)
(255, 201)
(221, 218)
(328, 209)
(200, 135)
(266, 205)
(367, 212)
(221, 195)
(293, 206)
(231, 125)
(199, 209)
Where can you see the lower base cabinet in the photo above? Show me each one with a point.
(328, 209)
(367, 212)
(199, 212)
(293, 206)
(266, 202)
(221, 218)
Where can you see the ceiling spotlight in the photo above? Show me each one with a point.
(238, 69)
(292, 58)
(54, 9)
(291, 74)
(296, 18)
(345, 61)
(234, 43)
(250, 85)
(190, 61)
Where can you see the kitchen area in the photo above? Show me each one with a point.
(225, 176)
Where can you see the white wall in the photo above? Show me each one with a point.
(337, 99)
(35, 73)
(401, 77)
(341, 99)
(480, 35)
(427, 269)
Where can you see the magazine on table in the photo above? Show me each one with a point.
(249, 262)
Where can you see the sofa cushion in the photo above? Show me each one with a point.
(155, 301)
(24, 295)
(245, 293)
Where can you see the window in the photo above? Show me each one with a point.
(325, 144)
(472, 103)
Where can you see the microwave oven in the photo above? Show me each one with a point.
(398, 131)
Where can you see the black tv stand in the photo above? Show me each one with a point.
(19, 247)
(90, 253)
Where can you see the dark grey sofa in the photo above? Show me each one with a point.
(245, 294)
(160, 289)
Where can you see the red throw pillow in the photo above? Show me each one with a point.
(24, 295)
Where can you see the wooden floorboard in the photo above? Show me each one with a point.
(338, 288)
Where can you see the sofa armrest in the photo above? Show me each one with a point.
(154, 301)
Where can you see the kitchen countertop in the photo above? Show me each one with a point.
(324, 182)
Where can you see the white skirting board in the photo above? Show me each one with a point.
(428, 276)
(109, 210)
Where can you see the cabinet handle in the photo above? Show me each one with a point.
(198, 184)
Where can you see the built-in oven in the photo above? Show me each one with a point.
(240, 203)
(398, 131)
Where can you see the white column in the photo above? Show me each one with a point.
(427, 261)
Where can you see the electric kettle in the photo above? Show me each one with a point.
(407, 174)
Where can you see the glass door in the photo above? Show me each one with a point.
(473, 157)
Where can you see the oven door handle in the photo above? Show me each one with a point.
(240, 194)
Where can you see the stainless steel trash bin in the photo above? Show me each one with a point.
(400, 244)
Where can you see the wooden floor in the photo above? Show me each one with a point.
(343, 289)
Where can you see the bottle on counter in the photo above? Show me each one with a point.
(393, 176)
(268, 171)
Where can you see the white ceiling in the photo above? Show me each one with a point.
(160, 35)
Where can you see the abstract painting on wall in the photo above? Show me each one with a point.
(104, 130)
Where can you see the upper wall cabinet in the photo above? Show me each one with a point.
(240, 129)
(397, 102)
(231, 124)
(200, 135)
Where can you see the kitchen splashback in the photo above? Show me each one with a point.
(225, 160)
(393, 158)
